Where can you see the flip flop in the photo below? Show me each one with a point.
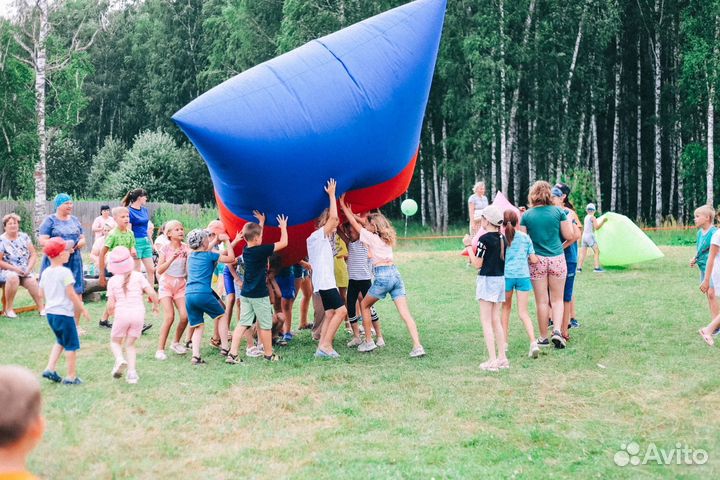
(489, 366)
(708, 338)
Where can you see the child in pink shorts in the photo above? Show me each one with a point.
(125, 301)
(172, 268)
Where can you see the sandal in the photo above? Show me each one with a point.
(707, 337)
(489, 366)
(215, 342)
(280, 342)
(233, 359)
(224, 352)
(503, 363)
(272, 358)
(198, 361)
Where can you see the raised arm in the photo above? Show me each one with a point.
(333, 218)
(227, 256)
(283, 242)
(349, 214)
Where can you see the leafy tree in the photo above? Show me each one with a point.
(67, 167)
(107, 160)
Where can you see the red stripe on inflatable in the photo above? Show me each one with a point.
(361, 200)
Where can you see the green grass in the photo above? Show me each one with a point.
(635, 371)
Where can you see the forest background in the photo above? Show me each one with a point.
(615, 97)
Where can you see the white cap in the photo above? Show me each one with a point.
(590, 206)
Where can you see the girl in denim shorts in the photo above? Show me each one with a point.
(379, 236)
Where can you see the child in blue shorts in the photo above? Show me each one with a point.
(61, 306)
(199, 296)
(520, 253)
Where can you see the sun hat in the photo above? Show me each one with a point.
(54, 247)
(556, 192)
(120, 261)
(563, 187)
(590, 206)
(493, 215)
(60, 199)
(196, 238)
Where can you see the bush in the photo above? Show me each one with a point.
(107, 160)
(67, 167)
(169, 173)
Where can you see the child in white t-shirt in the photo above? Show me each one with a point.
(712, 275)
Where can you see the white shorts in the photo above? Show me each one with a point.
(588, 241)
(490, 289)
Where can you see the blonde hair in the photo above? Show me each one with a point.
(11, 216)
(478, 184)
(323, 218)
(251, 231)
(706, 210)
(118, 210)
(540, 194)
(171, 225)
(20, 400)
(383, 228)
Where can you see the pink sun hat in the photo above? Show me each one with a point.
(121, 261)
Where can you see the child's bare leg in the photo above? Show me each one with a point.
(287, 309)
(55, 353)
(222, 330)
(266, 340)
(150, 271)
(306, 288)
(596, 255)
(131, 353)
(506, 309)
(365, 305)
(238, 333)
(404, 311)
(567, 310)
(197, 333)
(183, 319)
(498, 331)
(71, 358)
(583, 252)
(249, 338)
(333, 319)
(116, 347)
(486, 313)
(540, 288)
(713, 303)
(556, 287)
(168, 319)
(523, 299)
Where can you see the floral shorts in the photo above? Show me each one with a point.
(548, 267)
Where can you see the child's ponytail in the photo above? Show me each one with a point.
(126, 282)
(510, 221)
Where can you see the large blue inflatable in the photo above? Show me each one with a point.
(349, 106)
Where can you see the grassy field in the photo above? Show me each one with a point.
(636, 371)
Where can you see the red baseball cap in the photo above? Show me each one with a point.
(54, 247)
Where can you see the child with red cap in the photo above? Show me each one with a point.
(61, 305)
(125, 301)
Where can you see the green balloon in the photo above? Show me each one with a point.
(621, 242)
(409, 207)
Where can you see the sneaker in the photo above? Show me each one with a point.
(320, 354)
(578, 269)
(74, 381)
(105, 323)
(354, 342)
(52, 376)
(288, 336)
(574, 323)
(380, 342)
(253, 352)
(417, 352)
(119, 369)
(534, 350)
(367, 346)
(179, 349)
(42, 313)
(716, 332)
(160, 355)
(543, 342)
(598, 270)
(558, 340)
(146, 327)
(132, 378)
(10, 314)
(233, 359)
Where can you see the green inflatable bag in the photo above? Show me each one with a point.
(621, 242)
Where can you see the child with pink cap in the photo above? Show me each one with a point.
(125, 301)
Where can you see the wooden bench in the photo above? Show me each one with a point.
(18, 310)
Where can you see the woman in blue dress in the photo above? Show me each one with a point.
(63, 224)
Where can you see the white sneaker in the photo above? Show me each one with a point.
(417, 352)
(367, 346)
(10, 314)
(179, 349)
(160, 355)
(253, 352)
(119, 369)
(42, 313)
(132, 378)
(534, 350)
(354, 342)
(380, 342)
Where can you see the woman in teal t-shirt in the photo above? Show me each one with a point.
(547, 225)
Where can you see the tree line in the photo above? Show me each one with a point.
(615, 97)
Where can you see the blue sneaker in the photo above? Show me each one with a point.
(574, 323)
(320, 354)
(288, 336)
(598, 270)
(74, 381)
(52, 376)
